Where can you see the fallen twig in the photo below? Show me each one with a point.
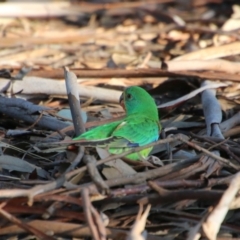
(212, 225)
(26, 227)
(97, 229)
(91, 162)
(74, 101)
(28, 112)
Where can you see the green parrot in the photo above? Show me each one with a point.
(139, 127)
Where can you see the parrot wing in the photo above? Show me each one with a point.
(134, 132)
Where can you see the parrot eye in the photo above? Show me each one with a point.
(129, 96)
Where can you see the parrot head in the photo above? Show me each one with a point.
(136, 100)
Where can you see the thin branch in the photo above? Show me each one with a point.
(87, 211)
(23, 225)
(74, 101)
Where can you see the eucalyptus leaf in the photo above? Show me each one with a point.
(16, 164)
(66, 113)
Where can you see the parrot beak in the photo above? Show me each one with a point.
(121, 101)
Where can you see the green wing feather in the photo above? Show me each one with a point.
(134, 131)
(123, 135)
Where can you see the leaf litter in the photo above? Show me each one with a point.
(185, 54)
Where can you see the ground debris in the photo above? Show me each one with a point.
(185, 53)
